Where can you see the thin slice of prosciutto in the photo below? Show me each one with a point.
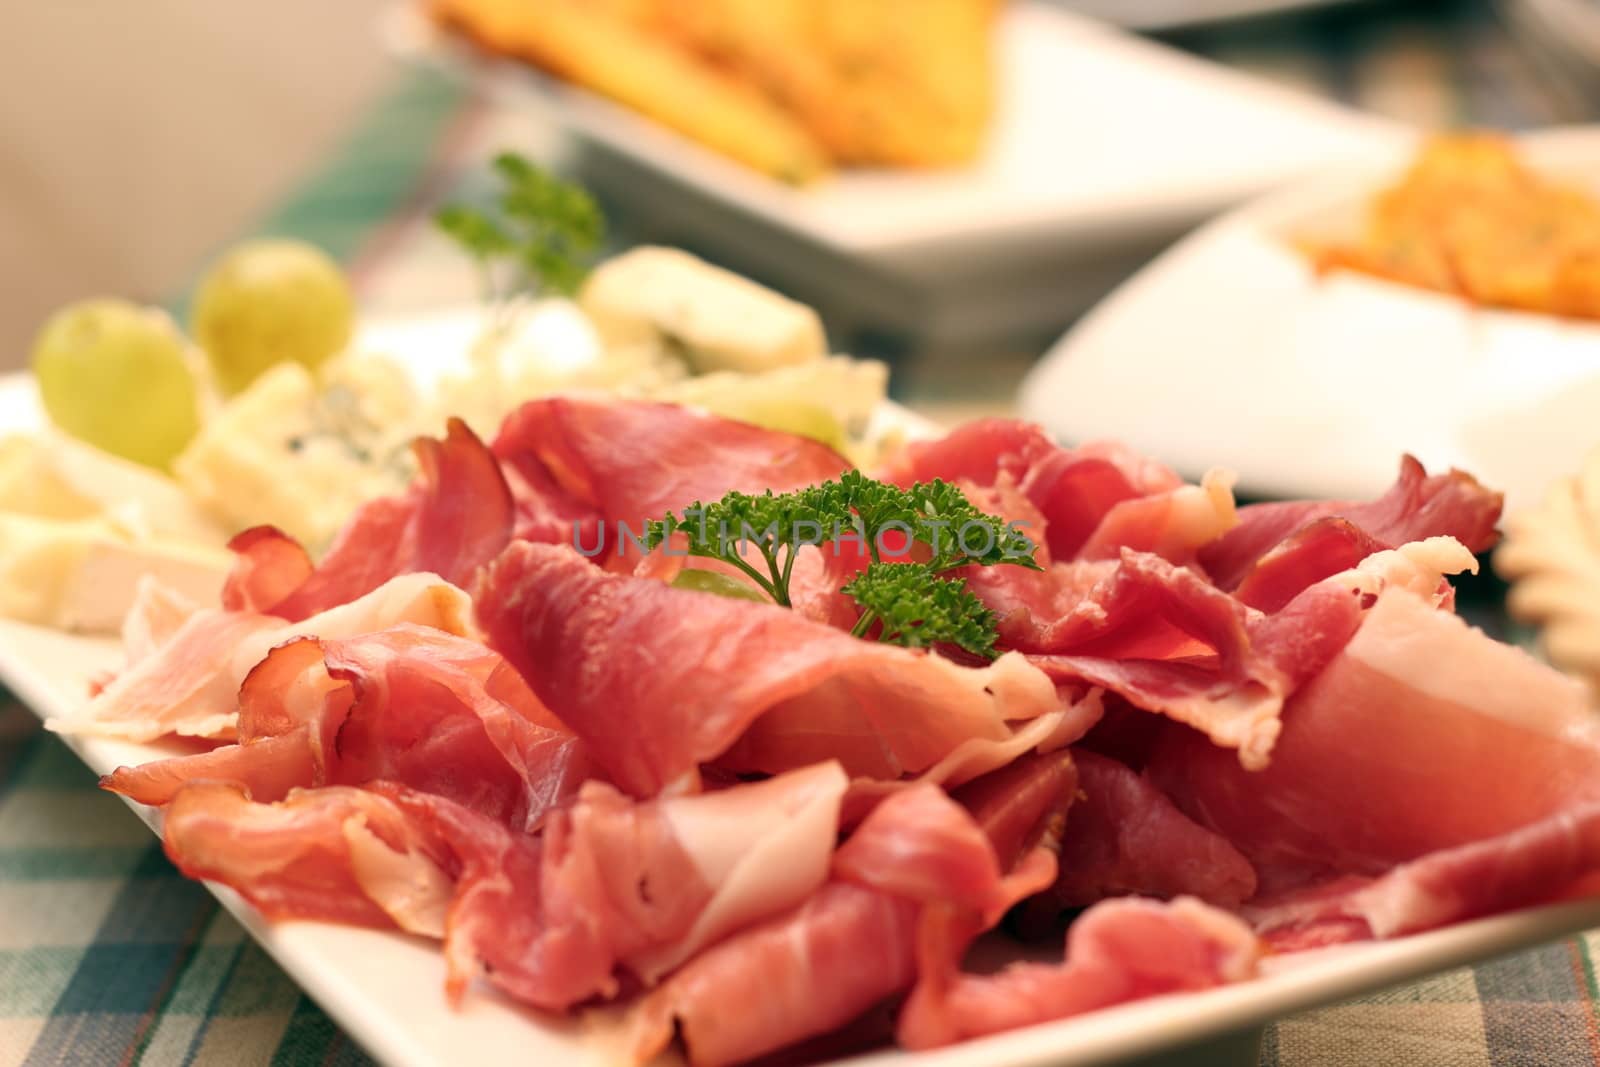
(1537, 863)
(1166, 640)
(608, 884)
(190, 684)
(338, 854)
(1073, 490)
(1422, 734)
(658, 680)
(1418, 506)
(578, 466)
(1119, 950)
(1125, 837)
(433, 712)
(454, 518)
(853, 943)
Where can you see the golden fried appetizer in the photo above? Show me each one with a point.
(783, 85)
(897, 82)
(602, 46)
(1470, 218)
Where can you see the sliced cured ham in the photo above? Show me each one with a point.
(1124, 836)
(975, 759)
(1422, 734)
(1418, 506)
(793, 977)
(658, 680)
(1173, 524)
(549, 919)
(853, 943)
(411, 705)
(343, 855)
(1526, 866)
(190, 685)
(454, 518)
(921, 845)
(1073, 490)
(1166, 640)
(620, 883)
(1319, 549)
(590, 782)
(157, 612)
(1118, 951)
(578, 465)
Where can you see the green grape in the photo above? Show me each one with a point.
(269, 301)
(113, 374)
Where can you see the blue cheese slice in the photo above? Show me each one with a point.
(302, 454)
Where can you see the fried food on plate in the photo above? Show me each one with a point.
(596, 45)
(899, 82)
(856, 82)
(1471, 218)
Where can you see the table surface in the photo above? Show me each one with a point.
(108, 956)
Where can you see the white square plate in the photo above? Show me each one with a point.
(1104, 147)
(386, 989)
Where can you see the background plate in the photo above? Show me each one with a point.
(1230, 350)
(1104, 148)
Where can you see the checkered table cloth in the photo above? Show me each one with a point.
(108, 956)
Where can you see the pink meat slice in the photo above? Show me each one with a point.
(590, 461)
(658, 680)
(1074, 490)
(454, 518)
(1117, 951)
(806, 973)
(853, 943)
(1423, 734)
(609, 884)
(1173, 524)
(1166, 640)
(1319, 549)
(338, 854)
(1418, 506)
(1125, 836)
(1534, 864)
(436, 713)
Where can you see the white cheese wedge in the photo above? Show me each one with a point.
(82, 574)
(51, 475)
(712, 318)
(300, 456)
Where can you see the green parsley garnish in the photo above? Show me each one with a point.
(916, 604)
(537, 241)
(918, 608)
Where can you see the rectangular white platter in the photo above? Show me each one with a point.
(386, 989)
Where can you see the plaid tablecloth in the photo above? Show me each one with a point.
(108, 956)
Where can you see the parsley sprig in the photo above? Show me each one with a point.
(916, 607)
(911, 602)
(536, 241)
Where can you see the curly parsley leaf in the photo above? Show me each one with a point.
(762, 535)
(912, 605)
